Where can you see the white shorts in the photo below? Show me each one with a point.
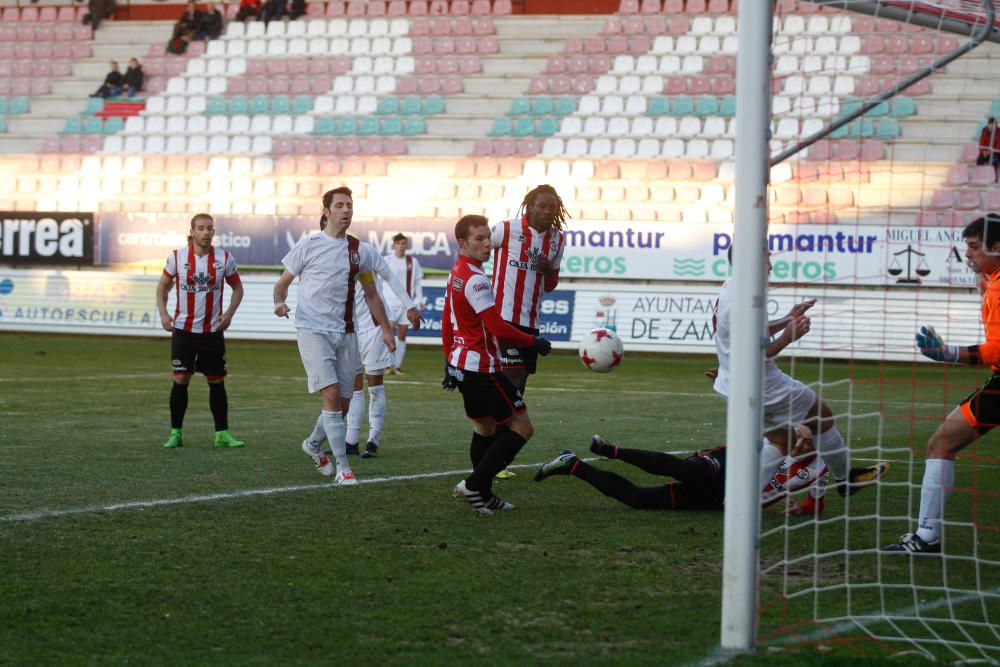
(375, 356)
(329, 358)
(792, 409)
(396, 312)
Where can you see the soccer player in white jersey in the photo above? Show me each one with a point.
(327, 264)
(408, 271)
(199, 274)
(788, 401)
(701, 477)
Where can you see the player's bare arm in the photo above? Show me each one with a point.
(793, 331)
(377, 309)
(162, 287)
(226, 318)
(544, 266)
(281, 308)
(798, 310)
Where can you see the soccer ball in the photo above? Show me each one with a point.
(601, 350)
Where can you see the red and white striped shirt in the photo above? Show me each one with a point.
(468, 343)
(199, 287)
(516, 279)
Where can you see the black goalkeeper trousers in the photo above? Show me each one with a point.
(691, 492)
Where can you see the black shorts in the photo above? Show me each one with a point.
(199, 353)
(982, 407)
(488, 395)
(512, 356)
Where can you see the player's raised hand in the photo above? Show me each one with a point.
(541, 346)
(449, 383)
(931, 346)
(413, 317)
(800, 309)
(797, 328)
(282, 309)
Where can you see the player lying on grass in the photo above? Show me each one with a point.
(701, 477)
(980, 411)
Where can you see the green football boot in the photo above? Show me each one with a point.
(175, 440)
(223, 439)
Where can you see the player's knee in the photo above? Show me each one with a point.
(182, 378)
(521, 424)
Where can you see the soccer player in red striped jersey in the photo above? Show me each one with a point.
(470, 327)
(199, 274)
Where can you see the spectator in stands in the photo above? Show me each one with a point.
(248, 9)
(188, 24)
(274, 9)
(986, 142)
(98, 11)
(131, 81)
(210, 26)
(112, 82)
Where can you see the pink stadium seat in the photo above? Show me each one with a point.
(11, 14)
(599, 64)
(872, 150)
(680, 170)
(429, 85)
(281, 146)
(820, 151)
(504, 147)
(616, 45)
(582, 84)
(70, 144)
(276, 66)
(422, 46)
(470, 65)
(83, 33)
(557, 64)
(340, 65)
(5, 86)
(882, 64)
(696, 7)
(327, 146)
(867, 86)
(313, 10)
(953, 219)
(7, 50)
(256, 85)
(897, 44)
(639, 44)
(348, 146)
(394, 146)
(406, 85)
(649, 7)
(946, 44)
(679, 25)
(716, 65)
(983, 175)
(174, 66)
(41, 69)
(872, 44)
(887, 25)
(44, 33)
(42, 50)
(396, 8)
(675, 85)
(319, 85)
(419, 28)
(438, 8)
(29, 14)
(573, 45)
(613, 26)
(502, 7)
(920, 44)
(576, 64)
(656, 25)
(921, 87)
(969, 152)
(705, 171)
(538, 86)
(317, 67)
(6, 69)
(628, 7)
(461, 26)
(298, 66)
(927, 219)
(452, 85)
(440, 27)
(993, 199)
(698, 85)
(482, 146)
(968, 200)
(425, 65)
(460, 8)
(50, 145)
(20, 87)
(465, 45)
(673, 6)
(480, 7)
(61, 68)
(23, 50)
(22, 68)
(376, 8)
(237, 86)
(847, 149)
(447, 65)
(303, 145)
(155, 85)
(63, 32)
(958, 174)
(594, 45)
(528, 147)
(559, 85)
(862, 25)
(489, 44)
(418, 8)
(336, 8)
(301, 85)
(718, 7)
(483, 26)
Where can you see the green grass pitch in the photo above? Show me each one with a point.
(395, 572)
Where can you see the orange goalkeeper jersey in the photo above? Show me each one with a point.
(989, 352)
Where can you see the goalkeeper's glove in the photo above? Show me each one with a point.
(541, 346)
(449, 383)
(932, 347)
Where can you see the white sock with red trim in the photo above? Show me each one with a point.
(333, 422)
(354, 416)
(376, 412)
(939, 478)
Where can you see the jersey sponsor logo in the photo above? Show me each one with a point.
(456, 373)
(802, 473)
(480, 287)
(517, 265)
(513, 352)
(355, 258)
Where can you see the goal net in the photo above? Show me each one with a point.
(868, 221)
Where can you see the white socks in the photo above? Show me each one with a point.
(833, 449)
(318, 436)
(333, 423)
(354, 416)
(400, 353)
(770, 458)
(376, 412)
(939, 479)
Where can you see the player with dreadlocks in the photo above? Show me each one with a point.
(527, 252)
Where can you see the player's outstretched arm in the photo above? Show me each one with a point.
(798, 310)
(794, 330)
(162, 288)
(933, 347)
(281, 308)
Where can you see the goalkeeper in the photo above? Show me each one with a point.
(978, 413)
(701, 477)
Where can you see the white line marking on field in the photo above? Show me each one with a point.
(720, 655)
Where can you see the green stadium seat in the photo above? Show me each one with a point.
(887, 128)
(410, 105)
(347, 125)
(324, 125)
(216, 106)
(259, 104)
(849, 106)
(524, 127)
(728, 107)
(879, 110)
(541, 105)
(433, 104)
(239, 104)
(391, 126)
(388, 105)
(565, 105)
(708, 105)
(19, 104)
(3, 124)
(995, 108)
(658, 106)
(302, 104)
(502, 127)
(4, 106)
(414, 125)
(862, 127)
(281, 104)
(93, 125)
(840, 132)
(903, 107)
(547, 126)
(519, 106)
(94, 104)
(368, 126)
(73, 126)
(683, 106)
(114, 124)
